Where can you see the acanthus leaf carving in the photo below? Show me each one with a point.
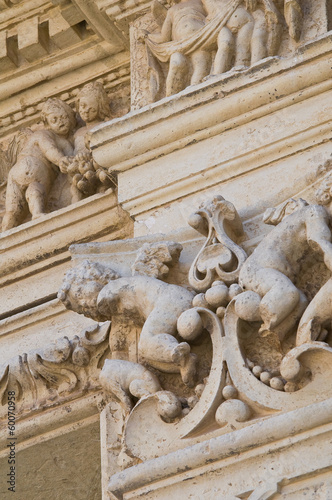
(48, 375)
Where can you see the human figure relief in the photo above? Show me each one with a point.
(318, 315)
(93, 107)
(183, 19)
(37, 158)
(294, 17)
(234, 37)
(271, 270)
(98, 292)
(242, 32)
(192, 30)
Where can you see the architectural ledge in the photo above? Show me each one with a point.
(53, 233)
(34, 251)
(215, 131)
(242, 448)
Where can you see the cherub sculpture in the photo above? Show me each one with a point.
(317, 317)
(100, 293)
(36, 158)
(240, 32)
(189, 34)
(86, 176)
(182, 21)
(234, 34)
(269, 273)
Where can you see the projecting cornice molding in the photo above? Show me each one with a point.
(227, 114)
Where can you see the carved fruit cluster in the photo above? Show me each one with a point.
(87, 175)
(274, 381)
(217, 297)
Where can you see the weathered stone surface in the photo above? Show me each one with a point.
(213, 378)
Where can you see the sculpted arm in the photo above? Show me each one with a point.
(49, 148)
(319, 233)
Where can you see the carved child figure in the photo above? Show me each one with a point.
(93, 107)
(99, 293)
(183, 19)
(235, 36)
(39, 154)
(271, 270)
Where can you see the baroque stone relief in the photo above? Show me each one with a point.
(50, 375)
(42, 165)
(246, 338)
(189, 41)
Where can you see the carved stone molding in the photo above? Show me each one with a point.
(211, 118)
(221, 453)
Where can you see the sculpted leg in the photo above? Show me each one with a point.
(201, 62)
(176, 78)
(317, 315)
(241, 24)
(259, 38)
(282, 304)
(226, 46)
(243, 45)
(163, 348)
(15, 206)
(115, 388)
(279, 300)
(124, 378)
(35, 196)
(289, 323)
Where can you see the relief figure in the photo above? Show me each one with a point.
(98, 292)
(271, 271)
(38, 156)
(213, 36)
(85, 175)
(183, 20)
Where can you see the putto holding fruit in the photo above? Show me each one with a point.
(86, 176)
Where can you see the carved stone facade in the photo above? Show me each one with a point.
(165, 323)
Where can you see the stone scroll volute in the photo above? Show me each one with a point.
(220, 257)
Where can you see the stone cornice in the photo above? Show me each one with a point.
(215, 111)
(40, 245)
(277, 433)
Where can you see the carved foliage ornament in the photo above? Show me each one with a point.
(53, 374)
